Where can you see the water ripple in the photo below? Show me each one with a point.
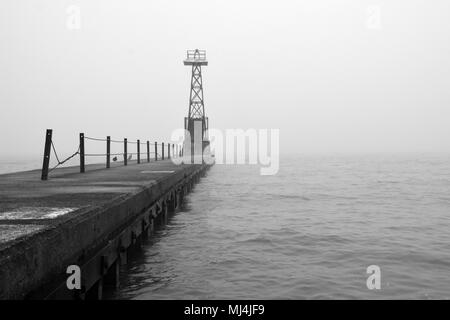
(309, 232)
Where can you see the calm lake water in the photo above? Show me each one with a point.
(308, 232)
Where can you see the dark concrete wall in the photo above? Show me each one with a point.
(42, 258)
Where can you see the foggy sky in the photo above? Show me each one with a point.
(313, 69)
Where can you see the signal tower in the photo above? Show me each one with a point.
(196, 123)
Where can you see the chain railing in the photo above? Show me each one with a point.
(158, 152)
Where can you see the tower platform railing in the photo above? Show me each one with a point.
(196, 57)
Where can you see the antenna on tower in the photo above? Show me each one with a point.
(196, 123)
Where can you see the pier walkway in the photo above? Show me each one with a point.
(89, 219)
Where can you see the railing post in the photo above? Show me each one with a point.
(156, 151)
(108, 152)
(139, 151)
(168, 151)
(81, 152)
(148, 151)
(47, 148)
(162, 154)
(125, 155)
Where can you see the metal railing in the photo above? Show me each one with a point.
(196, 55)
(158, 152)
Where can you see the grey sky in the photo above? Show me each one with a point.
(313, 69)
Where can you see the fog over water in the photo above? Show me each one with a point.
(333, 76)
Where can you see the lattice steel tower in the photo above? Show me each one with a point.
(196, 117)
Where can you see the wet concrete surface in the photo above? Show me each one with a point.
(13, 231)
(28, 204)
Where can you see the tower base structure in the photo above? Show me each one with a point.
(196, 142)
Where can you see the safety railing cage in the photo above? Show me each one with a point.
(196, 55)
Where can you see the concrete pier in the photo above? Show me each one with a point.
(90, 220)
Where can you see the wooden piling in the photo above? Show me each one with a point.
(112, 276)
